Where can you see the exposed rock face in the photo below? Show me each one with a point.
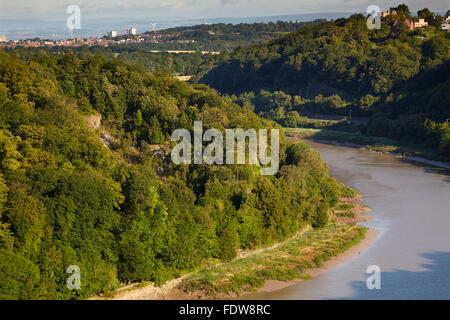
(94, 121)
(106, 138)
(154, 147)
(160, 151)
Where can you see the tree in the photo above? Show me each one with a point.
(295, 152)
(367, 101)
(293, 119)
(430, 17)
(321, 218)
(114, 210)
(144, 229)
(229, 241)
(20, 277)
(3, 193)
(139, 120)
(25, 215)
(155, 134)
(6, 237)
(403, 11)
(444, 146)
(425, 13)
(435, 48)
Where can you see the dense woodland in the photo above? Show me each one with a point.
(109, 199)
(173, 63)
(220, 36)
(398, 77)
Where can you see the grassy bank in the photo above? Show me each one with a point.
(295, 258)
(286, 262)
(378, 144)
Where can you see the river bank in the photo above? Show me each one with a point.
(409, 202)
(309, 253)
(375, 144)
(348, 211)
(370, 236)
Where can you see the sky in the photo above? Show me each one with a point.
(145, 9)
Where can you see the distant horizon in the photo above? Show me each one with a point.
(42, 27)
(15, 29)
(177, 18)
(183, 18)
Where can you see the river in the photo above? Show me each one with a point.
(411, 206)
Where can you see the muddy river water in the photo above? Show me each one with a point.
(411, 206)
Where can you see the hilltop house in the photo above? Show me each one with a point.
(387, 13)
(421, 23)
(409, 23)
(445, 26)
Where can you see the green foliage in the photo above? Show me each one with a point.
(444, 145)
(107, 199)
(342, 58)
(3, 193)
(397, 77)
(210, 38)
(294, 153)
(435, 48)
(229, 241)
(286, 262)
(20, 277)
(321, 219)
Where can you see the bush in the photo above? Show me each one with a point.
(322, 218)
(294, 153)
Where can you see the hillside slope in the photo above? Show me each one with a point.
(398, 77)
(86, 180)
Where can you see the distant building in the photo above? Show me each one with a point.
(409, 23)
(3, 38)
(421, 23)
(131, 31)
(445, 26)
(112, 34)
(387, 13)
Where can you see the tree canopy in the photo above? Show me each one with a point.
(105, 196)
